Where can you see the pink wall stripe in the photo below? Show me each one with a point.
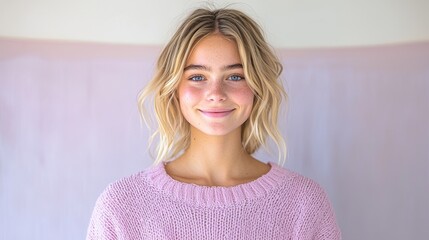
(358, 123)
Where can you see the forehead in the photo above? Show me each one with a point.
(214, 49)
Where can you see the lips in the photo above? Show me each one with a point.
(216, 113)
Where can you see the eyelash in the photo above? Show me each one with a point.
(192, 78)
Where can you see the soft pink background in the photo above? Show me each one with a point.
(358, 123)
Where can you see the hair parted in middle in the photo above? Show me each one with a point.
(261, 67)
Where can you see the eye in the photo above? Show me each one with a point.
(235, 78)
(196, 78)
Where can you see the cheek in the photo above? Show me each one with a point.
(249, 99)
(186, 95)
(246, 96)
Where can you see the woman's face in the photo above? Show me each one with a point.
(213, 93)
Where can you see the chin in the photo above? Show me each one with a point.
(218, 132)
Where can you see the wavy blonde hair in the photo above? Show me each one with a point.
(262, 71)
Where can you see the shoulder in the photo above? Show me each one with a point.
(119, 205)
(127, 190)
(300, 186)
(308, 200)
(303, 195)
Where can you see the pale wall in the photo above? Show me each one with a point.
(289, 23)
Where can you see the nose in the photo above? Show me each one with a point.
(216, 91)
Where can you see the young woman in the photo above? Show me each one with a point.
(217, 94)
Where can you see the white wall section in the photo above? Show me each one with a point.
(289, 23)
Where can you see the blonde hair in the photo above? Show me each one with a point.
(262, 71)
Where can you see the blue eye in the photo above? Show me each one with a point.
(196, 78)
(235, 78)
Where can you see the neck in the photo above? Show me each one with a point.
(215, 161)
(216, 149)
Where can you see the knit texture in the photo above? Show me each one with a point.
(151, 205)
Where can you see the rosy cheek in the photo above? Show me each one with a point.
(246, 94)
(247, 97)
(186, 93)
(250, 94)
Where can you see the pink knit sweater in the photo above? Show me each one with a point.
(151, 205)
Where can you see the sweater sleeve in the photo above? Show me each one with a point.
(103, 224)
(328, 228)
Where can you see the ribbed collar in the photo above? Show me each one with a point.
(198, 195)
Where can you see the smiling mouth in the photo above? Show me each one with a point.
(217, 113)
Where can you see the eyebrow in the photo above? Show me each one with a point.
(206, 68)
